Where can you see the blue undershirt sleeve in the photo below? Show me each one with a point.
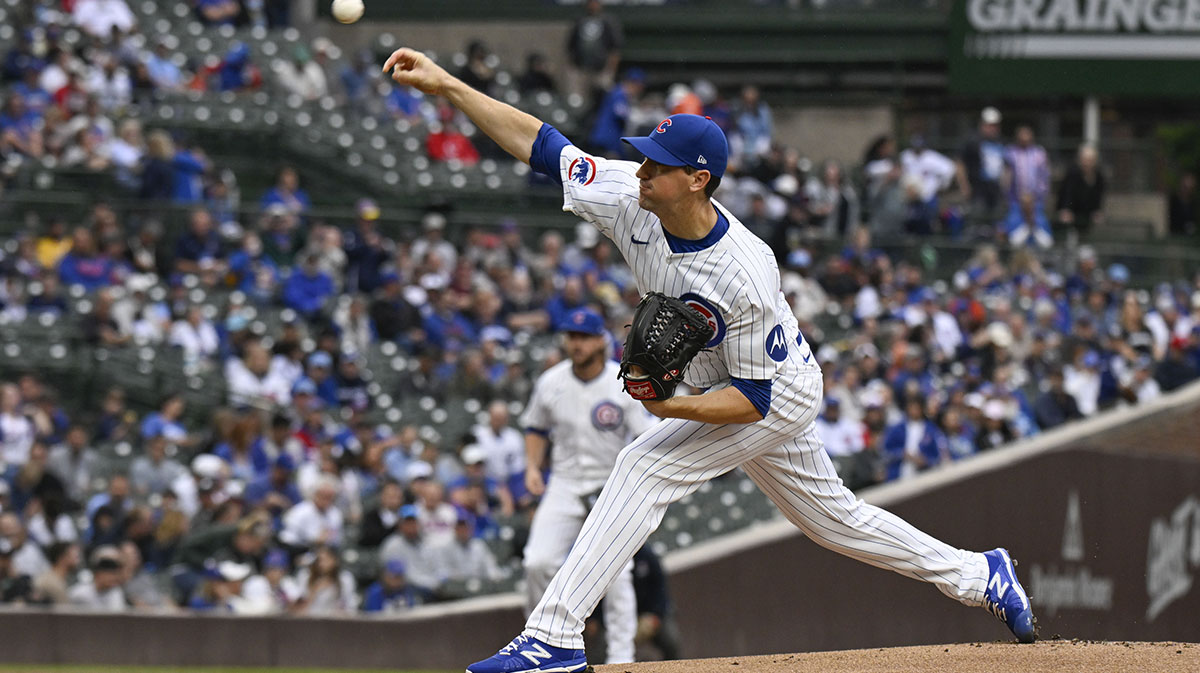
(537, 431)
(758, 391)
(547, 148)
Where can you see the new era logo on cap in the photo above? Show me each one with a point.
(702, 161)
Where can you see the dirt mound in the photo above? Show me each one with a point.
(1050, 656)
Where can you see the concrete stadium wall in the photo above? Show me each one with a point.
(1104, 517)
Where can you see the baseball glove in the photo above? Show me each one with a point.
(666, 334)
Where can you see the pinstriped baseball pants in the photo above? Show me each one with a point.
(675, 457)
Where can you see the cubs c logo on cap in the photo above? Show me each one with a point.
(582, 170)
(662, 126)
(710, 312)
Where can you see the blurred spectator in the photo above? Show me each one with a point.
(104, 591)
(1182, 206)
(1055, 406)
(109, 82)
(162, 70)
(391, 314)
(843, 438)
(218, 12)
(981, 164)
(1081, 194)
(446, 143)
(287, 192)
(251, 379)
(236, 72)
(464, 556)
(325, 588)
(504, 447)
(477, 73)
(536, 77)
(752, 127)
(190, 164)
(308, 290)
(832, 201)
(167, 422)
(656, 620)
(391, 593)
(367, 251)
(158, 172)
(194, 334)
(222, 589)
(155, 472)
(925, 174)
(53, 585)
(886, 193)
(1081, 379)
(17, 432)
(303, 76)
(1027, 172)
(383, 520)
(613, 114)
(315, 521)
(915, 444)
(100, 18)
(997, 429)
(74, 462)
(408, 546)
(594, 49)
(25, 555)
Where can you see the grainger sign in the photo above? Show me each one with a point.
(1033, 47)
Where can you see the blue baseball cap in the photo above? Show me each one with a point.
(409, 512)
(320, 359)
(394, 567)
(584, 321)
(304, 386)
(285, 462)
(276, 558)
(685, 140)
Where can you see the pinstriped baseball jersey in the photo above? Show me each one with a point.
(733, 281)
(589, 423)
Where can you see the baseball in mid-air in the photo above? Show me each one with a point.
(348, 11)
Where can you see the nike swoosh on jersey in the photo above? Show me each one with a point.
(637, 242)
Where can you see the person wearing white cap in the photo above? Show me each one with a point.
(981, 163)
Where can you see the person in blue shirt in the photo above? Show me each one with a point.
(253, 271)
(444, 326)
(35, 97)
(287, 192)
(613, 114)
(391, 593)
(190, 164)
(199, 246)
(914, 444)
(308, 289)
(320, 380)
(84, 265)
(275, 490)
(165, 422)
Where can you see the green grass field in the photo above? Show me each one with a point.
(30, 668)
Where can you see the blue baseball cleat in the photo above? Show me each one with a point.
(1005, 597)
(530, 655)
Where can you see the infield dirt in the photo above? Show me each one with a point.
(1050, 656)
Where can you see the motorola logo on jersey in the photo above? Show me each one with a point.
(582, 170)
(607, 416)
(710, 313)
(776, 344)
(662, 126)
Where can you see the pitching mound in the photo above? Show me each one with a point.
(1052, 656)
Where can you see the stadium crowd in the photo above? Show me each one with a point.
(252, 507)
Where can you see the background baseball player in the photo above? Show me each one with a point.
(578, 408)
(763, 384)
